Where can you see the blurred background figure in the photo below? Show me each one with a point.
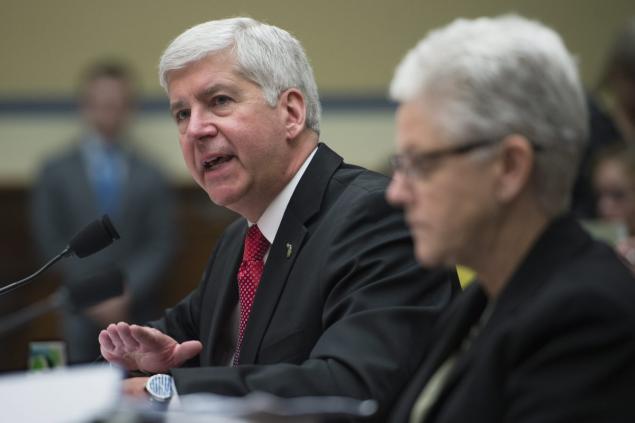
(614, 187)
(98, 174)
(619, 83)
(611, 114)
(613, 183)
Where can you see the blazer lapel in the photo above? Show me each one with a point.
(450, 332)
(468, 313)
(464, 357)
(305, 203)
(221, 301)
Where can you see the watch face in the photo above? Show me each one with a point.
(160, 387)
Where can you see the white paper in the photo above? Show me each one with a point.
(71, 394)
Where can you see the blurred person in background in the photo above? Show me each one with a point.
(102, 174)
(619, 83)
(491, 124)
(611, 115)
(614, 187)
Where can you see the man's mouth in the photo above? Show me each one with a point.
(215, 162)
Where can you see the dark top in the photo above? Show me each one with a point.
(559, 345)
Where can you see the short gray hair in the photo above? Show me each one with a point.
(265, 54)
(492, 77)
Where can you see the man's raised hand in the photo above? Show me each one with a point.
(142, 348)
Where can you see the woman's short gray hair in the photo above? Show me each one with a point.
(265, 54)
(492, 77)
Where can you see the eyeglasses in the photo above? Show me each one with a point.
(420, 165)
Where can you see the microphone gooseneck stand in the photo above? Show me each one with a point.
(94, 237)
(10, 287)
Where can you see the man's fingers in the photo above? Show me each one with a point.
(150, 338)
(108, 350)
(113, 332)
(105, 342)
(187, 350)
(127, 338)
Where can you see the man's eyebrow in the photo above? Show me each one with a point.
(215, 88)
(206, 93)
(176, 105)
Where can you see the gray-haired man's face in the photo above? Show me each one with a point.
(234, 143)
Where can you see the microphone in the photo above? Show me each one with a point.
(94, 237)
(77, 295)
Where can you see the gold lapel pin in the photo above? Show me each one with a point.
(289, 249)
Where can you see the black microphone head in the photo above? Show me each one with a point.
(91, 290)
(94, 237)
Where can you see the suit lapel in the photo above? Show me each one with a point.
(219, 304)
(450, 332)
(287, 246)
(458, 330)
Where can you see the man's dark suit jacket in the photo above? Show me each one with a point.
(347, 313)
(559, 345)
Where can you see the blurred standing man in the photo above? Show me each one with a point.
(101, 174)
(325, 298)
(491, 123)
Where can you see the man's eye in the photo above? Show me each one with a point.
(221, 100)
(181, 115)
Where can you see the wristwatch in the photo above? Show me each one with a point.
(159, 387)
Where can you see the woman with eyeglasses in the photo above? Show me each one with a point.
(490, 126)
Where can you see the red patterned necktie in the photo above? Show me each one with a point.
(249, 275)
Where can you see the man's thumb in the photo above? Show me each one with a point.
(187, 350)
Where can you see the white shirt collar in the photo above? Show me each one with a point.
(270, 220)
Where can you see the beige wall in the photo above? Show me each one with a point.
(361, 138)
(353, 45)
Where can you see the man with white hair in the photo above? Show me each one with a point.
(327, 298)
(490, 127)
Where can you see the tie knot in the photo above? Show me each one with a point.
(256, 244)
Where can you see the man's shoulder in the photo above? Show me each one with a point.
(357, 196)
(343, 174)
(592, 289)
(359, 178)
(60, 160)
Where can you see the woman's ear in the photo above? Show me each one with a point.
(515, 166)
(294, 106)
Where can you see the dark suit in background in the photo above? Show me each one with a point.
(557, 347)
(345, 310)
(64, 200)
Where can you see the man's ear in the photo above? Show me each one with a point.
(294, 106)
(516, 162)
